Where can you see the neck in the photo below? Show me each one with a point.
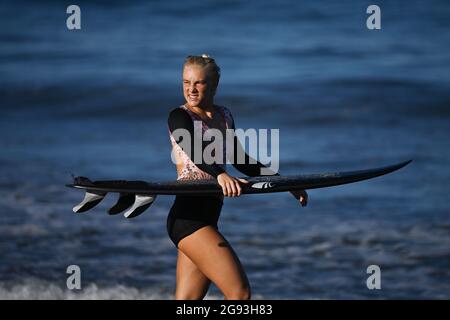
(203, 108)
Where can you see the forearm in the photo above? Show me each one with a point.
(246, 164)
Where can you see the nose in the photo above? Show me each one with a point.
(192, 88)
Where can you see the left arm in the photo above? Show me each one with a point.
(252, 168)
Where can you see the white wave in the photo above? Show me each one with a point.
(33, 289)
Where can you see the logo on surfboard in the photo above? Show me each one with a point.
(262, 185)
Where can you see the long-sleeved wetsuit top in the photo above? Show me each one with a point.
(183, 118)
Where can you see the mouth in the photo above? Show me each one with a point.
(193, 97)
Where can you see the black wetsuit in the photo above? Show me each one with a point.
(192, 212)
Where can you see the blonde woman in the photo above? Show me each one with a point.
(204, 255)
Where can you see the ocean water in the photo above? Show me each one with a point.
(94, 102)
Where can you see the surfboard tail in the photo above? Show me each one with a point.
(135, 203)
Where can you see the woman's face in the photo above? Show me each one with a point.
(198, 88)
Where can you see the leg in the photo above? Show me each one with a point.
(192, 284)
(215, 258)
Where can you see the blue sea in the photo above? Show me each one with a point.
(94, 102)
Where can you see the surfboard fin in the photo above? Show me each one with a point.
(91, 199)
(125, 201)
(141, 203)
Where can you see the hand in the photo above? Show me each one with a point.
(230, 185)
(302, 196)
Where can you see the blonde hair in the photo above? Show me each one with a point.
(204, 61)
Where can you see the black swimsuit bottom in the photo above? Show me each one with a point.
(190, 213)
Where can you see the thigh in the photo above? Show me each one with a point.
(191, 282)
(216, 259)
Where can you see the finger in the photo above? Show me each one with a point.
(233, 188)
(242, 180)
(227, 190)
(238, 188)
(230, 189)
(224, 189)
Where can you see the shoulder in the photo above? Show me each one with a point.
(178, 113)
(224, 109)
(178, 117)
(228, 115)
(226, 112)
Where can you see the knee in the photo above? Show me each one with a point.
(241, 294)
